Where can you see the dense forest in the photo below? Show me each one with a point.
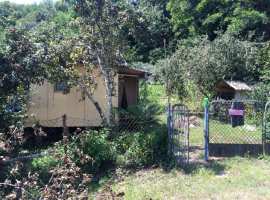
(187, 45)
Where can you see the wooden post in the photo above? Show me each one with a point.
(65, 132)
(65, 128)
(37, 133)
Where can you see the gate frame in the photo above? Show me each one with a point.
(206, 128)
(171, 129)
(267, 106)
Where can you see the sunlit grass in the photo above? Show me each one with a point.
(234, 178)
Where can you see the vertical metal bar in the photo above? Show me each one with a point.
(206, 129)
(169, 118)
(264, 128)
(187, 136)
(263, 134)
(172, 117)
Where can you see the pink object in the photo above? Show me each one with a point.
(235, 112)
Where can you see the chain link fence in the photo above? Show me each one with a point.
(236, 122)
(132, 124)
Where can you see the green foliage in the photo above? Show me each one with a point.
(205, 62)
(138, 151)
(20, 67)
(144, 112)
(152, 93)
(125, 149)
(44, 163)
(149, 107)
(97, 145)
(147, 30)
(191, 18)
(265, 62)
(148, 145)
(260, 92)
(171, 73)
(142, 148)
(43, 166)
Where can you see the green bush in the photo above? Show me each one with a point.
(97, 145)
(43, 166)
(142, 148)
(44, 163)
(124, 149)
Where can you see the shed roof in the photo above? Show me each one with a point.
(236, 85)
(131, 71)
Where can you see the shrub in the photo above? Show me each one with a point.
(97, 145)
(142, 148)
(43, 165)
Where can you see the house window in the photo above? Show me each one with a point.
(61, 87)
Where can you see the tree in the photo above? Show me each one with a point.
(171, 73)
(20, 66)
(265, 63)
(98, 44)
(206, 62)
(239, 17)
(100, 24)
(146, 31)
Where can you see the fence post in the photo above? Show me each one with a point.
(206, 128)
(169, 119)
(65, 132)
(264, 127)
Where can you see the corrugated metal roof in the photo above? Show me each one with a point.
(239, 86)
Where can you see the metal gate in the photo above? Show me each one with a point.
(179, 133)
(266, 128)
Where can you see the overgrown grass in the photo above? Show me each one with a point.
(234, 178)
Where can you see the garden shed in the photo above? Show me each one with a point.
(49, 102)
(229, 90)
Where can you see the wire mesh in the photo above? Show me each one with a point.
(129, 124)
(180, 133)
(236, 122)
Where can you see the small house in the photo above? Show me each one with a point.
(49, 102)
(229, 90)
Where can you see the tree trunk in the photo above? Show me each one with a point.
(106, 71)
(109, 90)
(96, 104)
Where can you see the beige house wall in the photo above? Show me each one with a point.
(47, 106)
